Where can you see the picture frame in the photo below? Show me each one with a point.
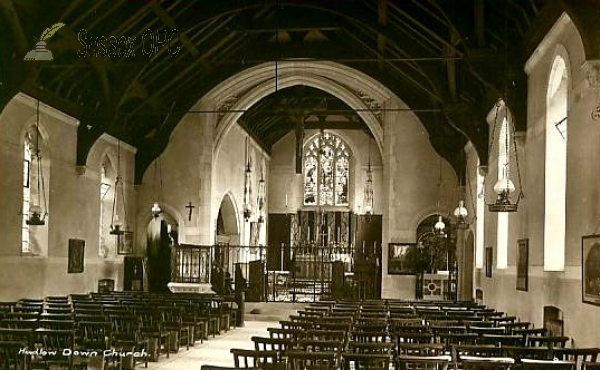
(76, 255)
(523, 264)
(397, 259)
(489, 261)
(125, 243)
(590, 269)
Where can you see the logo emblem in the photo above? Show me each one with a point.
(40, 53)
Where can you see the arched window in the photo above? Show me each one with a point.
(556, 167)
(504, 140)
(326, 171)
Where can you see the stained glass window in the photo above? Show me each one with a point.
(326, 174)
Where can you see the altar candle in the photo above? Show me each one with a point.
(286, 204)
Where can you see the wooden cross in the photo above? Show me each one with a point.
(190, 207)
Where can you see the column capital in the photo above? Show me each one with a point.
(591, 69)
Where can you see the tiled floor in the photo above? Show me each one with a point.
(214, 351)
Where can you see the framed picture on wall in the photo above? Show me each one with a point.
(397, 258)
(489, 261)
(125, 243)
(523, 264)
(76, 256)
(590, 260)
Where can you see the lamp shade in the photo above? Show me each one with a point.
(439, 225)
(156, 210)
(504, 185)
(461, 211)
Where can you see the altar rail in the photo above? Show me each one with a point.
(307, 274)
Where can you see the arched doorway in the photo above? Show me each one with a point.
(226, 249)
(226, 228)
(436, 259)
(162, 234)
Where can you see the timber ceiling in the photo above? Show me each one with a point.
(450, 60)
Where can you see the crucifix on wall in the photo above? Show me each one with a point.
(190, 208)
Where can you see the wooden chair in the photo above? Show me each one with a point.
(510, 327)
(181, 333)
(339, 335)
(531, 353)
(450, 339)
(369, 336)
(244, 358)
(281, 346)
(550, 342)
(420, 349)
(151, 328)
(501, 340)
(529, 333)
(486, 363)
(326, 360)
(578, 355)
(476, 350)
(411, 337)
(528, 364)
(366, 361)
(379, 348)
(405, 362)
(320, 345)
(11, 357)
(54, 343)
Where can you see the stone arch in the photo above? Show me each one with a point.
(244, 89)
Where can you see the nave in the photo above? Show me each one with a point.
(215, 351)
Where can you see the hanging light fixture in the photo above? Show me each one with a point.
(504, 187)
(461, 212)
(119, 211)
(368, 190)
(247, 185)
(439, 226)
(38, 210)
(156, 210)
(261, 198)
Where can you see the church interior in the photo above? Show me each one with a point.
(359, 155)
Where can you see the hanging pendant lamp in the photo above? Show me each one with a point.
(119, 211)
(38, 210)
